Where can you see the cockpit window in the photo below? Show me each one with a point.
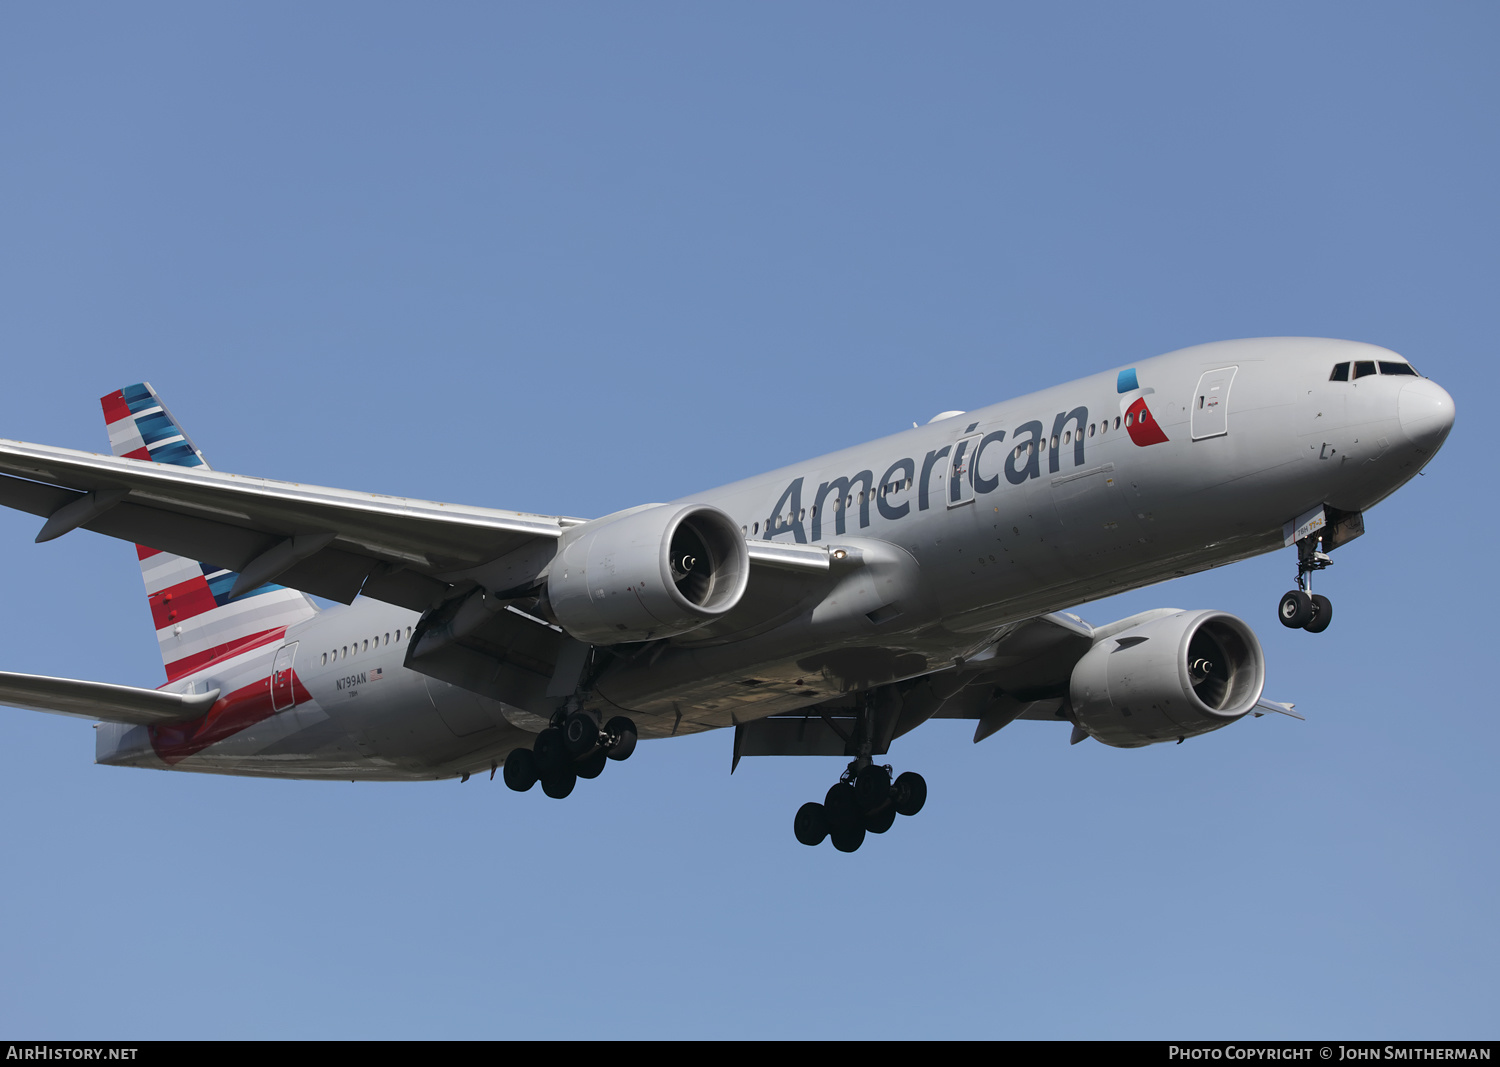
(1363, 367)
(1396, 368)
(1340, 373)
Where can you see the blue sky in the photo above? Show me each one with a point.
(570, 258)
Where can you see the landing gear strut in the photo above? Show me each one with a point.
(864, 801)
(1302, 609)
(573, 747)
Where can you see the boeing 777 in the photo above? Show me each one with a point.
(826, 608)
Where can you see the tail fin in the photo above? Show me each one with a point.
(196, 622)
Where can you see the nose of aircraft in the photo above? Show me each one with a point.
(1426, 413)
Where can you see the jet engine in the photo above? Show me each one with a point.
(654, 571)
(1173, 677)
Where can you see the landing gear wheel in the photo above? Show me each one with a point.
(1295, 610)
(580, 734)
(911, 793)
(872, 788)
(520, 770)
(622, 735)
(558, 786)
(592, 765)
(551, 752)
(847, 840)
(811, 823)
(881, 821)
(1322, 614)
(842, 808)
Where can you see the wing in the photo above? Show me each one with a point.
(334, 543)
(102, 701)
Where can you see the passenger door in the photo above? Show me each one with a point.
(1210, 416)
(282, 692)
(961, 471)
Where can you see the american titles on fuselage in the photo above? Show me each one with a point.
(965, 475)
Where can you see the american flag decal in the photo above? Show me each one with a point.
(376, 674)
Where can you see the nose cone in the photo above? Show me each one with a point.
(1426, 413)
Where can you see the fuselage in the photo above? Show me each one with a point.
(963, 527)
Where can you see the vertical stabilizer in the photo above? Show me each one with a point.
(197, 623)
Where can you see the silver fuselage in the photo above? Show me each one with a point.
(957, 544)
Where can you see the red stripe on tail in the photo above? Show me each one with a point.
(180, 668)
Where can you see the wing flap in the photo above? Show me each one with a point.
(101, 701)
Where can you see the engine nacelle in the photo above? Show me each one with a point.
(654, 571)
(1170, 678)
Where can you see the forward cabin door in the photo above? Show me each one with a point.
(1211, 403)
(282, 696)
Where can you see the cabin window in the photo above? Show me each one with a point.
(801, 514)
(1397, 368)
(1128, 420)
(1041, 446)
(346, 652)
(1363, 367)
(1067, 436)
(755, 527)
(1091, 429)
(325, 659)
(1117, 422)
(1340, 373)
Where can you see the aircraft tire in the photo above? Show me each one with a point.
(848, 840)
(842, 808)
(811, 823)
(558, 786)
(580, 734)
(1322, 614)
(551, 752)
(624, 731)
(872, 788)
(881, 821)
(1295, 610)
(592, 765)
(911, 793)
(520, 770)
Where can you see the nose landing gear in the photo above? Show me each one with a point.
(1302, 609)
(573, 747)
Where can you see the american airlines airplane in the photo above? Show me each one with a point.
(826, 608)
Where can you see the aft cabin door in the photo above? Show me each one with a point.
(282, 696)
(1211, 403)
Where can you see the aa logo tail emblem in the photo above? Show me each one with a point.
(1139, 422)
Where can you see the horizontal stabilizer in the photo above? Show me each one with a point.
(102, 701)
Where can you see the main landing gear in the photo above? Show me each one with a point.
(1302, 609)
(865, 800)
(573, 747)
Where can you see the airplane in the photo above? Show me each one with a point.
(825, 608)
